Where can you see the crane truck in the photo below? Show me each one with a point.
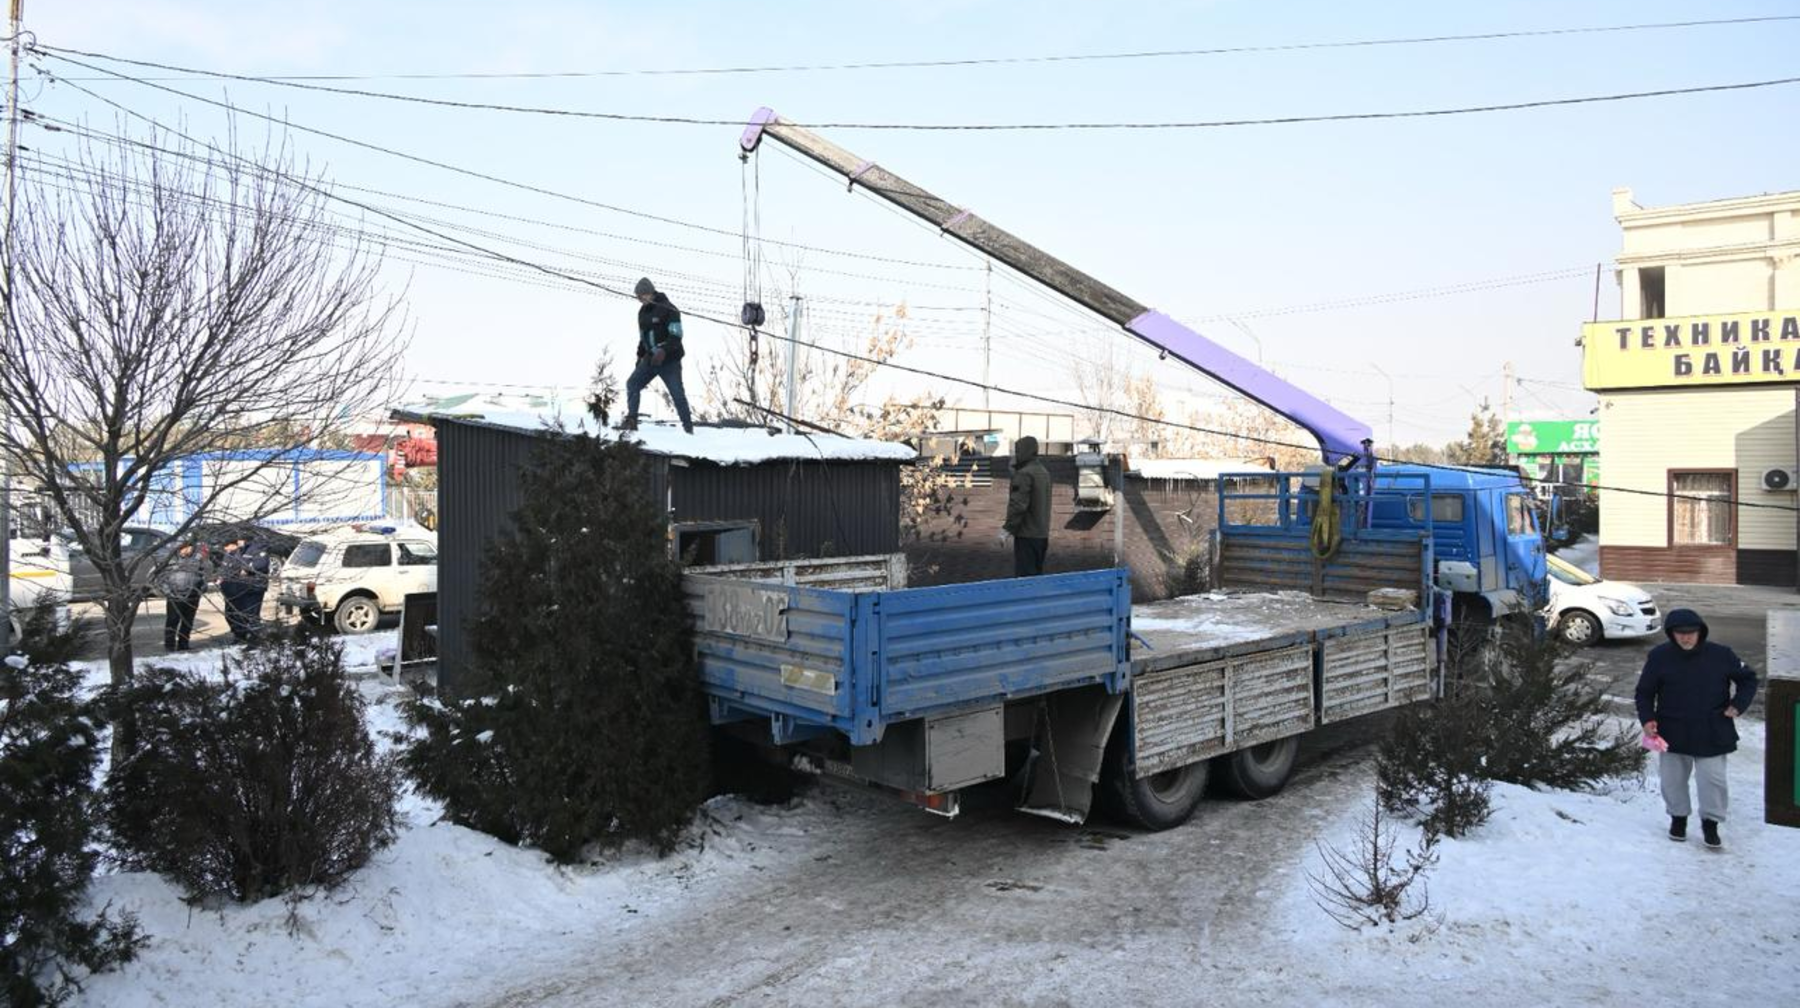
(1059, 683)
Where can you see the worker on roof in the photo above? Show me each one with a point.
(658, 355)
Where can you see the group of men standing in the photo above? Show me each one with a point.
(241, 570)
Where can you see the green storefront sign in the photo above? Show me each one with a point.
(1552, 437)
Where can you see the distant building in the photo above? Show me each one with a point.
(1164, 517)
(1697, 382)
(1565, 454)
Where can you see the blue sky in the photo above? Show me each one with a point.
(1204, 224)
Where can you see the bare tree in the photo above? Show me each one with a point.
(173, 300)
(829, 387)
(1102, 376)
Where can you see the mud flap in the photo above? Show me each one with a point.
(1066, 753)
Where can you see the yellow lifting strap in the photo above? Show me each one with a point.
(1327, 531)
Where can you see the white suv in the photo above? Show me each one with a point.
(352, 576)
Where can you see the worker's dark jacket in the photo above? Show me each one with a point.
(1686, 692)
(1028, 501)
(659, 328)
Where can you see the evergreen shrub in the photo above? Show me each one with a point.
(254, 782)
(580, 723)
(50, 743)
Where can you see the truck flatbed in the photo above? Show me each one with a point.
(1221, 623)
(1225, 671)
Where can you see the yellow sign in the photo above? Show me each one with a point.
(1742, 349)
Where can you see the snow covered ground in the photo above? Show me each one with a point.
(841, 899)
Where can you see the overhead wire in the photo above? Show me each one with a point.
(947, 63)
(56, 52)
(483, 176)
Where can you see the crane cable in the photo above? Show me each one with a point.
(1327, 529)
(752, 315)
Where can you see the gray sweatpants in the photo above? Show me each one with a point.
(1675, 769)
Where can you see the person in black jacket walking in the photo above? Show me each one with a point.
(1689, 694)
(659, 355)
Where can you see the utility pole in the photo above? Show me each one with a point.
(987, 315)
(1506, 387)
(6, 302)
(793, 358)
(1390, 402)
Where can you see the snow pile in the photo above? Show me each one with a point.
(1570, 898)
(840, 899)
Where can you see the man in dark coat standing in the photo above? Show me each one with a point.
(1689, 694)
(659, 355)
(182, 580)
(1028, 509)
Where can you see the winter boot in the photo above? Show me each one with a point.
(1710, 831)
(628, 424)
(1678, 828)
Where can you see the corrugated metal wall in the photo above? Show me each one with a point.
(478, 489)
(804, 509)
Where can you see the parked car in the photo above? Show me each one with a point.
(1585, 609)
(355, 575)
(134, 540)
(39, 577)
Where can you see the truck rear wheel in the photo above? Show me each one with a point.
(1158, 802)
(1259, 771)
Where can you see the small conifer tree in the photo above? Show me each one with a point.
(582, 723)
(49, 745)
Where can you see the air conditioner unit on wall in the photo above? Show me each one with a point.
(1779, 479)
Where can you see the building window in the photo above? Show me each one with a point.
(1700, 509)
(1651, 300)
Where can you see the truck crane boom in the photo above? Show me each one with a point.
(1338, 434)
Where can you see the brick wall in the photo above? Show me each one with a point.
(961, 543)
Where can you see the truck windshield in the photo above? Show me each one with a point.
(1566, 572)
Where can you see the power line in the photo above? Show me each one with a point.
(894, 366)
(471, 173)
(1001, 60)
(57, 53)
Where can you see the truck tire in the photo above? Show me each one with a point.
(357, 614)
(1259, 771)
(1158, 802)
(1578, 628)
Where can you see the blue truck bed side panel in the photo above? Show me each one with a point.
(856, 662)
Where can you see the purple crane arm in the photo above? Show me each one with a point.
(1338, 435)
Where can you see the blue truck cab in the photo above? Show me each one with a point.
(1488, 549)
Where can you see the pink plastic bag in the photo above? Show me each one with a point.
(1654, 743)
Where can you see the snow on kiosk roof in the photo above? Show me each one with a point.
(722, 445)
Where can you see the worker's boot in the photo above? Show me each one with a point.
(1709, 830)
(1678, 828)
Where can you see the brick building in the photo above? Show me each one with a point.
(1168, 510)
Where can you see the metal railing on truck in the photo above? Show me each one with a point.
(1265, 535)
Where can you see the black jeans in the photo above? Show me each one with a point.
(178, 619)
(1028, 556)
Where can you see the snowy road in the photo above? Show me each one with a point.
(873, 903)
